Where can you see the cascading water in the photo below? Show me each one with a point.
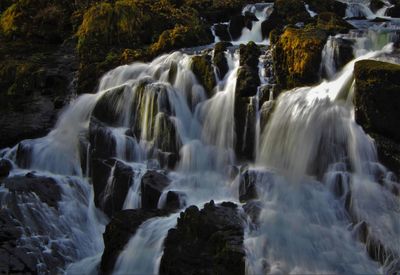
(311, 158)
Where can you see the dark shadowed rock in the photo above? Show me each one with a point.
(207, 241)
(118, 232)
(247, 186)
(5, 167)
(152, 185)
(204, 71)
(103, 143)
(45, 188)
(175, 200)
(377, 97)
(221, 30)
(219, 59)
(236, 25)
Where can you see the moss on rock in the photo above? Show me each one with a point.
(377, 97)
(204, 71)
(332, 23)
(297, 56)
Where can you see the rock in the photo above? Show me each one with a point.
(266, 112)
(394, 11)
(297, 57)
(45, 188)
(247, 186)
(204, 71)
(332, 23)
(114, 195)
(247, 82)
(253, 209)
(166, 137)
(376, 5)
(290, 11)
(219, 59)
(102, 141)
(207, 241)
(221, 30)
(100, 173)
(320, 6)
(249, 55)
(236, 25)
(5, 167)
(388, 152)
(271, 23)
(377, 97)
(152, 185)
(175, 200)
(118, 232)
(249, 18)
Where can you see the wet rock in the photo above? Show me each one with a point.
(167, 160)
(247, 186)
(166, 137)
(236, 25)
(175, 200)
(388, 152)
(219, 59)
(394, 11)
(377, 97)
(152, 185)
(297, 57)
(221, 30)
(266, 112)
(290, 11)
(253, 209)
(105, 110)
(5, 167)
(375, 5)
(102, 141)
(249, 55)
(204, 71)
(247, 82)
(207, 241)
(45, 188)
(320, 6)
(332, 23)
(118, 232)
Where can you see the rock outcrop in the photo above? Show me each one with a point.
(207, 241)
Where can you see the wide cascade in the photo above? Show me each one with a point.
(305, 181)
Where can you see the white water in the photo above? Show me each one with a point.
(310, 141)
(143, 253)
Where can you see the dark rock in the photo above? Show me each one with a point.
(332, 23)
(253, 209)
(100, 172)
(236, 25)
(266, 112)
(319, 6)
(219, 59)
(247, 186)
(249, 18)
(5, 167)
(45, 188)
(113, 196)
(175, 200)
(166, 137)
(375, 5)
(118, 232)
(152, 185)
(249, 55)
(290, 11)
(167, 160)
(377, 97)
(394, 11)
(102, 141)
(207, 241)
(388, 152)
(204, 71)
(221, 30)
(271, 23)
(247, 82)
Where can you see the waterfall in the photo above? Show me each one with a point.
(311, 140)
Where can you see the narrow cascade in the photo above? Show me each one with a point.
(303, 226)
(143, 253)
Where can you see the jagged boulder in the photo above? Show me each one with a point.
(332, 23)
(377, 97)
(5, 167)
(45, 188)
(204, 71)
(219, 58)
(376, 102)
(118, 232)
(221, 30)
(297, 56)
(320, 6)
(152, 186)
(102, 140)
(207, 241)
